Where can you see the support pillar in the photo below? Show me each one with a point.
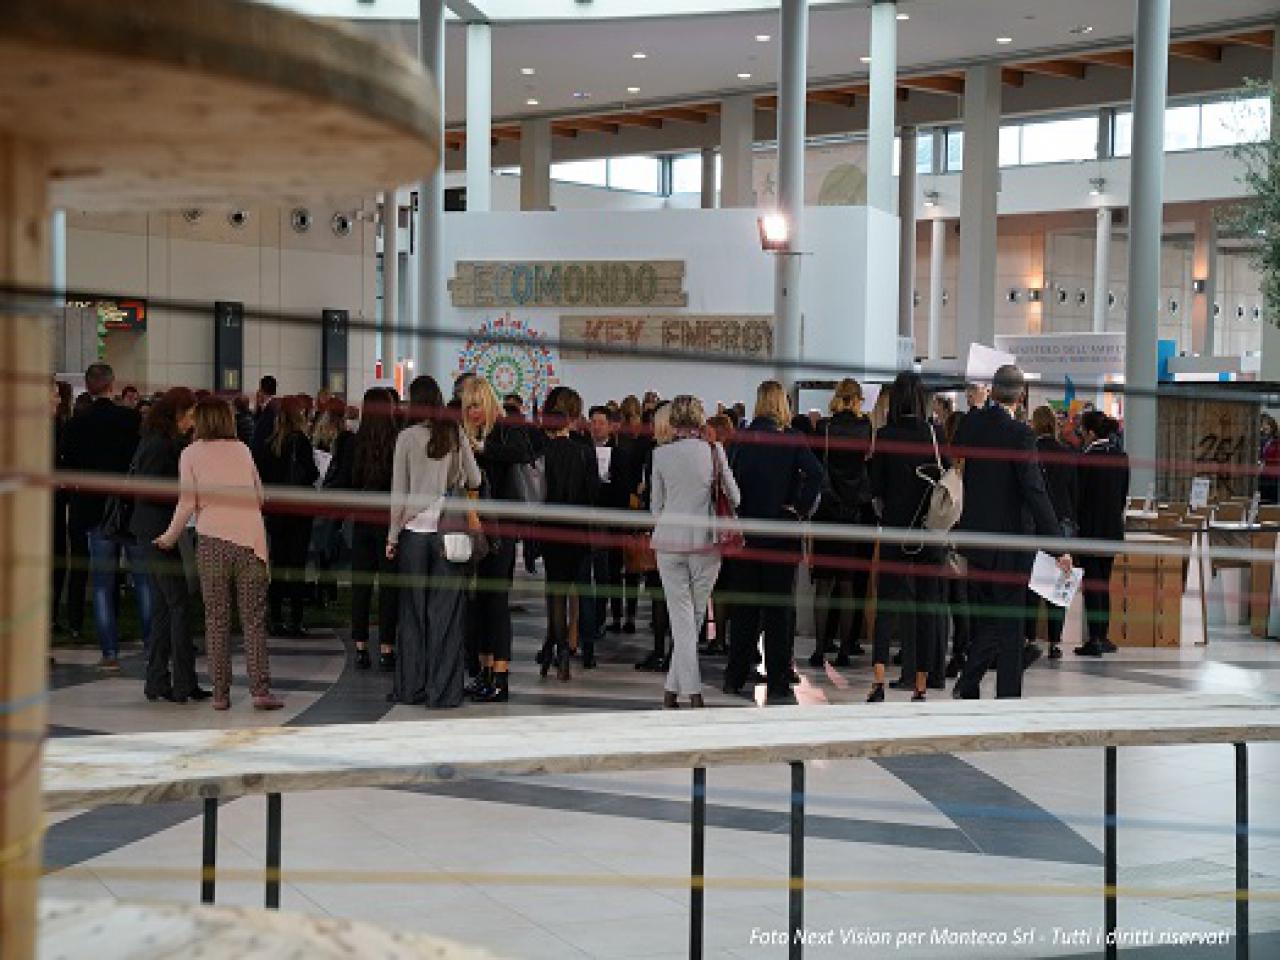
(708, 178)
(1146, 215)
(737, 133)
(1271, 311)
(431, 280)
(979, 185)
(907, 228)
(884, 69)
(391, 344)
(479, 116)
(937, 262)
(24, 543)
(1204, 266)
(791, 125)
(1101, 269)
(535, 165)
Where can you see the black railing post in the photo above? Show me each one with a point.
(1242, 851)
(795, 928)
(1109, 849)
(273, 851)
(209, 856)
(697, 862)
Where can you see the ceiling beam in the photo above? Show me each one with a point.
(564, 130)
(592, 124)
(683, 114)
(634, 120)
(941, 83)
(1108, 58)
(1012, 78)
(1262, 39)
(1201, 50)
(767, 103)
(1066, 69)
(837, 98)
(507, 133)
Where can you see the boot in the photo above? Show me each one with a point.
(562, 663)
(589, 655)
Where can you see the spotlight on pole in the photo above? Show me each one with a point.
(775, 233)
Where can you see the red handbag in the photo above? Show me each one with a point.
(726, 532)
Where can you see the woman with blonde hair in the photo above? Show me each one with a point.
(779, 479)
(498, 449)
(220, 485)
(687, 473)
(841, 569)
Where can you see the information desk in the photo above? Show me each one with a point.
(1146, 596)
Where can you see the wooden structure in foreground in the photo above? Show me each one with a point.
(148, 104)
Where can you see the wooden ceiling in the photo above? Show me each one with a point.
(951, 83)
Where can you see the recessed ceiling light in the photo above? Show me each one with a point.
(581, 95)
(904, 16)
(1004, 39)
(865, 59)
(744, 76)
(1081, 29)
(531, 102)
(639, 55)
(633, 89)
(763, 38)
(527, 71)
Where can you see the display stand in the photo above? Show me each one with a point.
(148, 104)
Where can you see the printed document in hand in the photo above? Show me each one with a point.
(1048, 580)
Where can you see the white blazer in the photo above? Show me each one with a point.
(681, 486)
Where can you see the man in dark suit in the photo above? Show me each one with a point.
(1104, 489)
(264, 423)
(102, 440)
(1004, 493)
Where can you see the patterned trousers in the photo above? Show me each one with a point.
(220, 562)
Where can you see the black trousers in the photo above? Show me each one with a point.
(429, 645)
(170, 640)
(1097, 595)
(568, 566)
(59, 553)
(369, 563)
(764, 599)
(909, 601)
(1054, 614)
(661, 622)
(77, 574)
(625, 586)
(996, 621)
(290, 539)
(488, 604)
(958, 597)
(602, 579)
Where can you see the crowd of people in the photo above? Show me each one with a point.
(419, 536)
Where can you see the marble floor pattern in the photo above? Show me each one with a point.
(912, 850)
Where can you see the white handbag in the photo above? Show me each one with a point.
(458, 547)
(946, 501)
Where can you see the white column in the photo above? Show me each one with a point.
(884, 69)
(1146, 214)
(791, 126)
(1204, 266)
(535, 165)
(708, 178)
(390, 341)
(737, 133)
(979, 185)
(479, 115)
(1271, 310)
(907, 233)
(937, 263)
(431, 280)
(1101, 269)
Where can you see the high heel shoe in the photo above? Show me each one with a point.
(387, 662)
(669, 701)
(877, 693)
(695, 701)
(545, 657)
(363, 661)
(562, 664)
(918, 696)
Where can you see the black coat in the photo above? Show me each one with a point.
(1057, 463)
(100, 440)
(504, 448)
(777, 474)
(900, 467)
(1104, 490)
(843, 443)
(1004, 490)
(157, 458)
(293, 466)
(572, 479)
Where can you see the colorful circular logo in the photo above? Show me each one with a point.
(507, 352)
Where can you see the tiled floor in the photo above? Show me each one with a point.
(913, 850)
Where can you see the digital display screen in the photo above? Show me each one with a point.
(122, 314)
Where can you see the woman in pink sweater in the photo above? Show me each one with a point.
(220, 486)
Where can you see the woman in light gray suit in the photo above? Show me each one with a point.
(684, 472)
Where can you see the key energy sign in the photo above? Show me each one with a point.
(569, 283)
(741, 336)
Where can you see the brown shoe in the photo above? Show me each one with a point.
(695, 701)
(670, 701)
(109, 665)
(221, 702)
(267, 701)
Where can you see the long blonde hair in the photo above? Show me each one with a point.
(663, 432)
(847, 396)
(477, 392)
(771, 401)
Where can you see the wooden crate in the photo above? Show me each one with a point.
(1146, 598)
(1215, 438)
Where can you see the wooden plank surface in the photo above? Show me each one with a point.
(139, 768)
(162, 931)
(174, 102)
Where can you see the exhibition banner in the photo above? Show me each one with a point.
(568, 283)
(1085, 357)
(732, 335)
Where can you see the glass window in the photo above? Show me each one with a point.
(1057, 141)
(634, 173)
(1182, 127)
(594, 173)
(686, 173)
(924, 151)
(955, 150)
(1122, 134)
(1011, 145)
(1225, 122)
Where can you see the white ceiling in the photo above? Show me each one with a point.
(692, 57)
